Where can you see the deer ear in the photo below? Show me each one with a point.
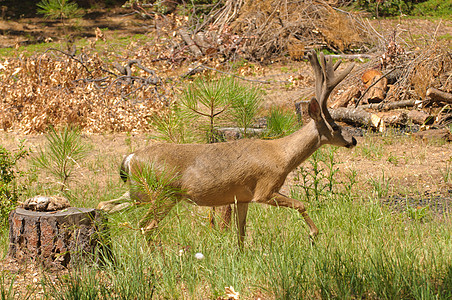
(314, 110)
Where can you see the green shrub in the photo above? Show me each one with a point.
(434, 8)
(281, 123)
(9, 190)
(64, 151)
(59, 9)
(205, 105)
(384, 8)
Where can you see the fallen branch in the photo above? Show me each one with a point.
(438, 95)
(189, 41)
(390, 105)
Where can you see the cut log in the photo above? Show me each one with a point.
(420, 117)
(438, 95)
(394, 118)
(377, 90)
(58, 239)
(357, 116)
(345, 98)
(369, 75)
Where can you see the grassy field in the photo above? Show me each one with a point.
(366, 250)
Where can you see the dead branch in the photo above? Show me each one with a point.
(390, 105)
(438, 95)
(183, 32)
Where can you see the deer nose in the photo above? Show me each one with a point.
(352, 144)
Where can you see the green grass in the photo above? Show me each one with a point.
(434, 9)
(364, 251)
(119, 45)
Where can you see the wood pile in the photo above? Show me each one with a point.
(412, 89)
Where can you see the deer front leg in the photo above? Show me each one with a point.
(278, 199)
(241, 210)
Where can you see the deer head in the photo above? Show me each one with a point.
(325, 81)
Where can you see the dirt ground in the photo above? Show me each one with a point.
(412, 168)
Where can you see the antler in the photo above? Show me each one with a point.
(325, 78)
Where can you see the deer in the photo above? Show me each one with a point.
(243, 171)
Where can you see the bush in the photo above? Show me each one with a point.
(9, 191)
(385, 8)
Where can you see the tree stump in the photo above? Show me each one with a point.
(59, 238)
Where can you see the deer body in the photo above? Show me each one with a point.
(243, 171)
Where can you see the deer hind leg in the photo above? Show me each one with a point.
(225, 213)
(278, 199)
(115, 205)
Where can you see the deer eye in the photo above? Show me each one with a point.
(335, 127)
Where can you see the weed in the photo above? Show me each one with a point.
(393, 159)
(447, 172)
(417, 213)
(381, 185)
(318, 179)
(371, 150)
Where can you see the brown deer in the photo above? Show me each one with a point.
(242, 171)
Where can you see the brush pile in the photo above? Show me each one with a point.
(265, 30)
(117, 90)
(400, 88)
(58, 89)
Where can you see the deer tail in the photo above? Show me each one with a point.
(125, 167)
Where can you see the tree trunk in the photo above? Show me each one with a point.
(58, 239)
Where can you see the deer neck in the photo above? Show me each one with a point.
(298, 146)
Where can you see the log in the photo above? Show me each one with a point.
(438, 95)
(442, 134)
(377, 90)
(235, 133)
(394, 118)
(357, 116)
(58, 239)
(420, 117)
(345, 98)
(369, 75)
(389, 105)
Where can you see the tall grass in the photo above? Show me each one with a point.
(364, 251)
